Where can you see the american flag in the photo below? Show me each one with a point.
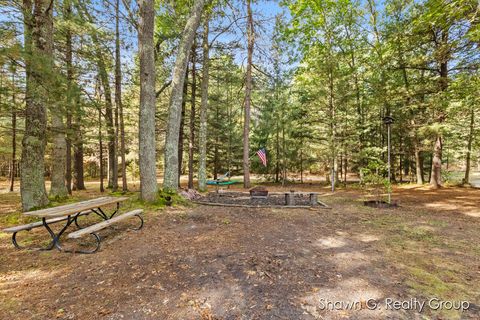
(262, 154)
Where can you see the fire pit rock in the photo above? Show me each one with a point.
(258, 192)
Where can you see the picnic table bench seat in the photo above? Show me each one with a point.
(102, 225)
(33, 225)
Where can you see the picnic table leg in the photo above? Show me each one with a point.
(141, 222)
(56, 237)
(50, 232)
(99, 212)
(103, 215)
(313, 199)
(116, 210)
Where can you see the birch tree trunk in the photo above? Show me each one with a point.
(146, 130)
(202, 163)
(248, 99)
(38, 37)
(170, 182)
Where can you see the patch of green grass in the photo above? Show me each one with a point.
(382, 221)
(441, 284)
(163, 199)
(438, 223)
(120, 193)
(9, 305)
(419, 234)
(14, 218)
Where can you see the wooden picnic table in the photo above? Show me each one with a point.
(74, 208)
(70, 213)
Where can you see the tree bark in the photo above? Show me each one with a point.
(170, 182)
(436, 175)
(466, 178)
(109, 116)
(191, 141)
(248, 98)
(202, 163)
(38, 37)
(146, 131)
(418, 164)
(109, 120)
(100, 147)
(181, 134)
(69, 101)
(58, 188)
(14, 135)
(118, 96)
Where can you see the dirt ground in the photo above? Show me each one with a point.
(201, 262)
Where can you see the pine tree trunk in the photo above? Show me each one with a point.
(170, 182)
(418, 165)
(333, 150)
(181, 134)
(277, 153)
(58, 188)
(202, 163)
(38, 37)
(70, 99)
(68, 157)
(191, 141)
(147, 145)
(109, 121)
(436, 174)
(109, 117)
(109, 113)
(217, 142)
(466, 178)
(100, 147)
(248, 98)
(118, 96)
(14, 136)
(78, 172)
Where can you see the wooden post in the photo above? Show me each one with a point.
(290, 198)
